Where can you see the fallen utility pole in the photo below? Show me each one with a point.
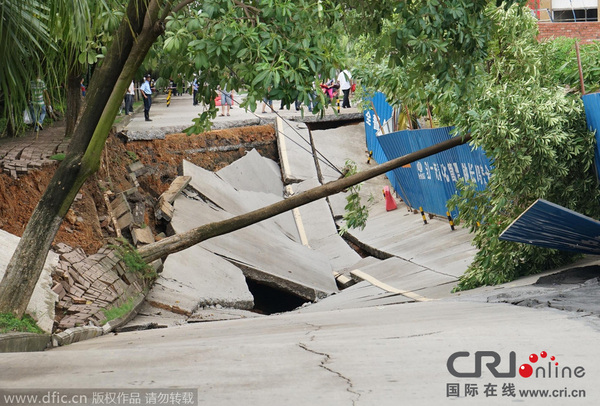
(179, 242)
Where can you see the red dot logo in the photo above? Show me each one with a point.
(525, 370)
(533, 358)
(553, 358)
(543, 354)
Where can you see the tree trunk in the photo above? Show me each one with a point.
(73, 100)
(179, 242)
(136, 34)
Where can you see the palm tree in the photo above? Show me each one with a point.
(24, 37)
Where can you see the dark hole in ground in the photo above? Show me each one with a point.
(571, 276)
(268, 300)
(328, 125)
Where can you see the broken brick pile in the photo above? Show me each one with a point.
(20, 155)
(88, 284)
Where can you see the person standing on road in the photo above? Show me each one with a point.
(38, 106)
(129, 99)
(147, 94)
(195, 89)
(345, 81)
(225, 99)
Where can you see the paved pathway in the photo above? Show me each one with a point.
(32, 151)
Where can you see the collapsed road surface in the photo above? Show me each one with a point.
(397, 336)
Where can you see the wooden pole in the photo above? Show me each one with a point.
(429, 115)
(377, 117)
(580, 68)
(179, 242)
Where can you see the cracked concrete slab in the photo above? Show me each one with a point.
(406, 276)
(321, 231)
(295, 152)
(236, 202)
(218, 314)
(342, 144)
(42, 302)
(253, 173)
(263, 255)
(196, 277)
(362, 294)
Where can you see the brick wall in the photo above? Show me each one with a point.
(585, 31)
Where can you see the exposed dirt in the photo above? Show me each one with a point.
(87, 224)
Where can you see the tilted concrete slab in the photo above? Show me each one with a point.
(158, 318)
(347, 143)
(361, 295)
(196, 277)
(404, 276)
(295, 152)
(403, 234)
(321, 231)
(42, 302)
(263, 255)
(236, 202)
(361, 263)
(254, 173)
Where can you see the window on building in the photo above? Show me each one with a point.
(589, 14)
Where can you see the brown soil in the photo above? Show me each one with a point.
(87, 224)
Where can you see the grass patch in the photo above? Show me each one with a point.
(115, 312)
(132, 259)
(10, 324)
(132, 155)
(58, 157)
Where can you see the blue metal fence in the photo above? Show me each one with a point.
(591, 103)
(384, 112)
(430, 182)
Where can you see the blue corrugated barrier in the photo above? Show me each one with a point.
(384, 111)
(549, 225)
(429, 182)
(591, 103)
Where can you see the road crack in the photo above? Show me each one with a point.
(326, 360)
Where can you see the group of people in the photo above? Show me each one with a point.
(344, 83)
(37, 108)
(330, 88)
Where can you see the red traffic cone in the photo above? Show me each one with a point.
(390, 203)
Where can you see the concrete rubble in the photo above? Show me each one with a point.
(264, 252)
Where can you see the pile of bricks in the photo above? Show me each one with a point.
(87, 285)
(20, 155)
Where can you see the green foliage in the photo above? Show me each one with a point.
(534, 132)
(483, 70)
(356, 214)
(132, 155)
(279, 48)
(132, 259)
(115, 312)
(9, 324)
(561, 63)
(58, 157)
(24, 38)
